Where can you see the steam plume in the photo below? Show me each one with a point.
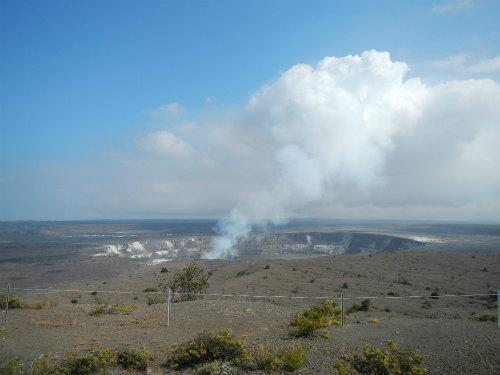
(333, 126)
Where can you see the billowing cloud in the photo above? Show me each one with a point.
(353, 129)
(350, 137)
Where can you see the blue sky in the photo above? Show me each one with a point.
(88, 87)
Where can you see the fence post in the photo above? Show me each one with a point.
(7, 303)
(342, 310)
(169, 298)
(498, 308)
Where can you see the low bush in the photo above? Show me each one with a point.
(207, 347)
(13, 366)
(88, 363)
(93, 362)
(435, 294)
(207, 351)
(380, 362)
(187, 284)
(46, 304)
(365, 306)
(121, 309)
(153, 300)
(209, 368)
(150, 290)
(278, 360)
(100, 310)
(97, 311)
(134, 359)
(492, 317)
(14, 302)
(321, 315)
(426, 305)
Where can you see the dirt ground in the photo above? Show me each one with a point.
(445, 329)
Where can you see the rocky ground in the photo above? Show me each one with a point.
(445, 329)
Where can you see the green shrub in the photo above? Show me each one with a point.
(115, 309)
(14, 302)
(426, 305)
(97, 311)
(365, 306)
(265, 360)
(121, 309)
(45, 304)
(380, 362)
(134, 359)
(267, 267)
(321, 315)
(13, 366)
(209, 368)
(74, 301)
(305, 327)
(153, 300)
(492, 317)
(207, 351)
(164, 270)
(345, 286)
(150, 290)
(207, 347)
(435, 294)
(277, 360)
(89, 363)
(188, 283)
(293, 358)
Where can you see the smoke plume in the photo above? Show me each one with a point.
(333, 127)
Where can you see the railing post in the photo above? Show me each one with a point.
(342, 310)
(7, 303)
(498, 308)
(169, 298)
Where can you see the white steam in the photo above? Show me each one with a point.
(333, 125)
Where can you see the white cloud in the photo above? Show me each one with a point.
(466, 64)
(164, 112)
(167, 144)
(453, 6)
(350, 137)
(352, 130)
(485, 66)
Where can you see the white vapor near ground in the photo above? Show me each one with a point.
(353, 128)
